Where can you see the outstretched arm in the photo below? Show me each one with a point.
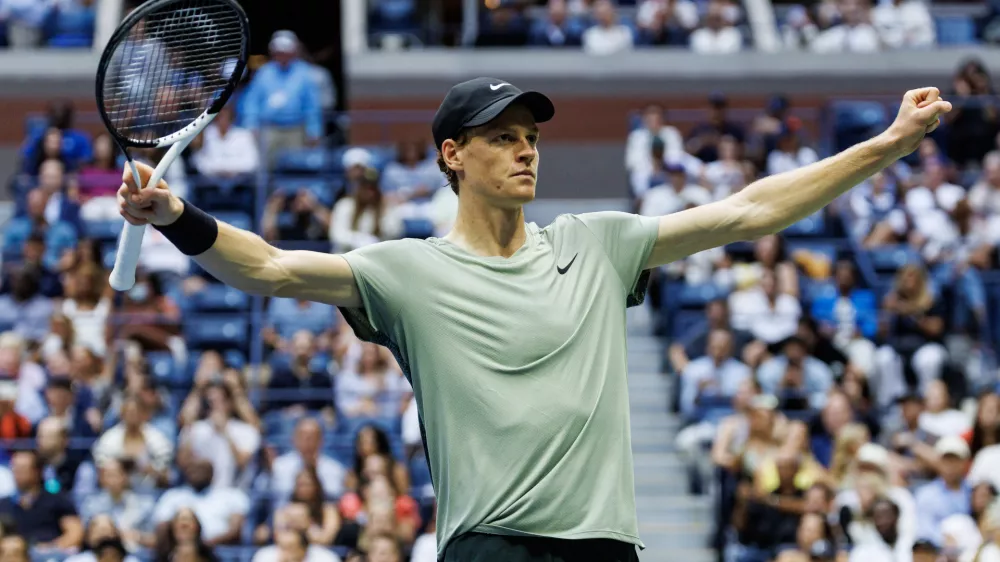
(242, 259)
(773, 203)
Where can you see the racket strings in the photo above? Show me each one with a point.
(173, 65)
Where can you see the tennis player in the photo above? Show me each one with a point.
(513, 335)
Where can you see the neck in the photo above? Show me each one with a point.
(953, 484)
(486, 230)
(116, 495)
(133, 430)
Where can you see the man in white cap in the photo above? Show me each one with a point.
(949, 494)
(282, 102)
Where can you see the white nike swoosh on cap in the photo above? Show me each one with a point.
(496, 87)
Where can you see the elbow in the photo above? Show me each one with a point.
(753, 219)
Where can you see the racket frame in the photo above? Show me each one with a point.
(130, 243)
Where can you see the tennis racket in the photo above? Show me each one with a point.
(167, 71)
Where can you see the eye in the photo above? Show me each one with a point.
(505, 137)
(533, 139)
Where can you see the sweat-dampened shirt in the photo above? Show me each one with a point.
(518, 366)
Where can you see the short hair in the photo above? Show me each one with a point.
(461, 140)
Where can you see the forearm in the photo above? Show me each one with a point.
(776, 202)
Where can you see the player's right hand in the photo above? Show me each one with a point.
(150, 205)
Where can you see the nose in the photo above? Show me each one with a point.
(526, 152)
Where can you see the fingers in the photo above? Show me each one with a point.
(919, 95)
(133, 208)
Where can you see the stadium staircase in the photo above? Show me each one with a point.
(672, 524)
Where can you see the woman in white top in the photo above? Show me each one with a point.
(99, 530)
(87, 308)
(221, 437)
(363, 217)
(136, 443)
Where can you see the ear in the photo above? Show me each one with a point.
(452, 155)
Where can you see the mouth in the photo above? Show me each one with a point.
(525, 174)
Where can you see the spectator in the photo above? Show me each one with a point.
(61, 465)
(904, 24)
(854, 34)
(100, 537)
(666, 22)
(771, 519)
(294, 216)
(789, 153)
(413, 175)
(374, 388)
(303, 370)
(796, 377)
(151, 318)
(826, 426)
(814, 541)
(47, 520)
(986, 429)
(703, 140)
(292, 544)
(769, 315)
(712, 381)
(307, 452)
(378, 491)
(984, 196)
(640, 140)
(984, 467)
(99, 180)
(218, 512)
(76, 146)
(281, 103)
(47, 147)
(729, 174)
(384, 548)
(87, 308)
(227, 150)
(888, 545)
(425, 547)
(363, 217)
(716, 36)
(607, 36)
(183, 537)
(904, 431)
(211, 372)
(557, 29)
(948, 495)
(14, 548)
(503, 26)
(221, 437)
(287, 317)
(939, 419)
(370, 441)
(73, 406)
(682, 352)
(29, 376)
(33, 257)
(131, 512)
(58, 236)
(674, 196)
(61, 203)
(136, 444)
(25, 309)
(315, 515)
(869, 479)
(974, 122)
(912, 327)
(12, 424)
(849, 316)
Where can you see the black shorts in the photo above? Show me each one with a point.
(480, 547)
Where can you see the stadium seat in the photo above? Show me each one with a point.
(856, 121)
(813, 225)
(217, 298)
(103, 230)
(325, 188)
(309, 161)
(163, 368)
(956, 30)
(216, 331)
(696, 296)
(889, 259)
(418, 228)
(685, 322)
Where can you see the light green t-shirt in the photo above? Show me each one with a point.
(518, 367)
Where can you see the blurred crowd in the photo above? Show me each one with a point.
(601, 27)
(837, 382)
(135, 425)
(29, 24)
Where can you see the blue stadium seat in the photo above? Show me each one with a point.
(813, 225)
(856, 121)
(309, 161)
(216, 331)
(696, 296)
(217, 297)
(685, 322)
(103, 230)
(891, 258)
(164, 369)
(418, 228)
(956, 30)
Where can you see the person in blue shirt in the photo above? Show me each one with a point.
(282, 103)
(949, 494)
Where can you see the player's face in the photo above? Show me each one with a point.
(500, 161)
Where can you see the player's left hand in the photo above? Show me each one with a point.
(919, 114)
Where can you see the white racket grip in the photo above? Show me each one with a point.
(130, 245)
(127, 258)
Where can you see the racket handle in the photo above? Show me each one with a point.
(127, 258)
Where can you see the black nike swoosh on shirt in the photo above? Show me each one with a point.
(563, 270)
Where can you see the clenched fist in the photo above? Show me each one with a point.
(150, 205)
(918, 116)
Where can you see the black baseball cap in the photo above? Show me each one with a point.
(479, 101)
